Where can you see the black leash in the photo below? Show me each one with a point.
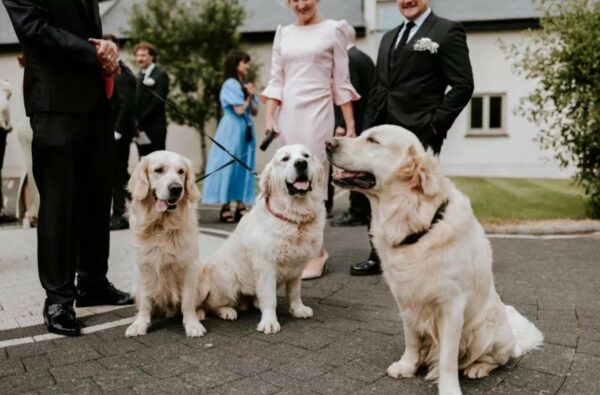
(184, 115)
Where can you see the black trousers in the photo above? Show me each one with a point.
(3, 135)
(72, 168)
(158, 144)
(120, 175)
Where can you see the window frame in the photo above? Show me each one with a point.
(486, 131)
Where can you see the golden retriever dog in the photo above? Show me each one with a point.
(272, 243)
(435, 257)
(162, 218)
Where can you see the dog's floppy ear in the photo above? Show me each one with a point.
(266, 180)
(139, 185)
(418, 172)
(191, 189)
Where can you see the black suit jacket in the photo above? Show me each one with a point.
(61, 74)
(361, 74)
(412, 91)
(122, 103)
(150, 110)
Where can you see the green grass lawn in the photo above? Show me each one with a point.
(497, 200)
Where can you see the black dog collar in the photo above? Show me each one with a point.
(415, 237)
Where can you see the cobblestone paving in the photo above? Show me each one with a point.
(346, 348)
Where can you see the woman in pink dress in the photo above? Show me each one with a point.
(309, 74)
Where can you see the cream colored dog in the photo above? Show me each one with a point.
(272, 243)
(435, 258)
(162, 217)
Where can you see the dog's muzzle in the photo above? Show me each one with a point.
(175, 191)
(302, 185)
(354, 179)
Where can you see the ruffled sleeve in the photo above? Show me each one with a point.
(274, 89)
(343, 91)
(232, 93)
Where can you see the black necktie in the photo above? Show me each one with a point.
(403, 40)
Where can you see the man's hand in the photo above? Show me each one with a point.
(107, 55)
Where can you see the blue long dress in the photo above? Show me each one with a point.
(233, 182)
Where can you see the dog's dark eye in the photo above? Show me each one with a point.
(158, 170)
(285, 158)
(180, 171)
(306, 155)
(372, 140)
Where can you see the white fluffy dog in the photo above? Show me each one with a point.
(5, 94)
(435, 258)
(162, 217)
(272, 243)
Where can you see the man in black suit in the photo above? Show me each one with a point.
(66, 84)
(122, 104)
(150, 110)
(361, 74)
(416, 64)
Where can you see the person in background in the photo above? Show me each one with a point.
(309, 74)
(150, 110)
(236, 133)
(122, 105)
(418, 61)
(28, 201)
(5, 129)
(68, 79)
(361, 74)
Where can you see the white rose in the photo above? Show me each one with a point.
(149, 81)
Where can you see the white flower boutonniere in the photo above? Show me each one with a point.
(149, 81)
(426, 44)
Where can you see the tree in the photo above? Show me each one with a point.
(192, 37)
(563, 56)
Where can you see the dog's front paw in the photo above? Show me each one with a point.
(194, 328)
(227, 313)
(268, 327)
(401, 369)
(137, 328)
(301, 311)
(478, 370)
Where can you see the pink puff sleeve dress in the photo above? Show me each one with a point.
(309, 74)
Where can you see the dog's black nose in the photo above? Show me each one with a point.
(300, 164)
(331, 145)
(175, 189)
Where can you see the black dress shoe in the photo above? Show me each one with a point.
(61, 319)
(350, 219)
(109, 295)
(118, 223)
(365, 268)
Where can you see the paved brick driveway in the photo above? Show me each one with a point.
(345, 348)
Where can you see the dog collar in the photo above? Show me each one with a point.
(414, 237)
(282, 217)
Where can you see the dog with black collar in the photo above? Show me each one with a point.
(435, 258)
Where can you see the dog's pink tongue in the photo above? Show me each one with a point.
(161, 206)
(301, 185)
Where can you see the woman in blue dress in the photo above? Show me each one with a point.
(236, 133)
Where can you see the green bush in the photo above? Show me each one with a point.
(192, 37)
(563, 56)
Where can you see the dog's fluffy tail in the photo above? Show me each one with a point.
(527, 336)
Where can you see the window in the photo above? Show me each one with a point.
(487, 115)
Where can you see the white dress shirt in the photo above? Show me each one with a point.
(148, 71)
(418, 23)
